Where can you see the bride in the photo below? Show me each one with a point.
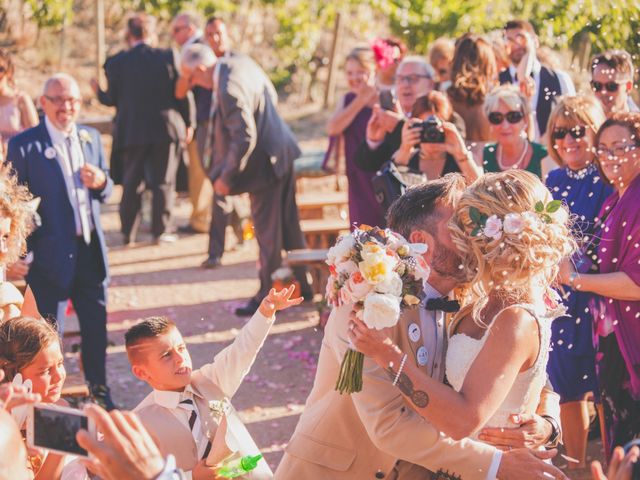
(512, 238)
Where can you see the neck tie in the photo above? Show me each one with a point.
(442, 304)
(81, 200)
(207, 151)
(195, 425)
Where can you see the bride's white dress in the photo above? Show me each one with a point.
(524, 395)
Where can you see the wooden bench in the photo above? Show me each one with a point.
(323, 233)
(313, 205)
(314, 260)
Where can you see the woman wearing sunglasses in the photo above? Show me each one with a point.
(617, 281)
(510, 120)
(572, 128)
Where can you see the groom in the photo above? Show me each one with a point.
(375, 433)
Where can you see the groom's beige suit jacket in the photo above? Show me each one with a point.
(375, 434)
(365, 435)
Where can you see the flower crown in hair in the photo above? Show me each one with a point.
(384, 53)
(493, 227)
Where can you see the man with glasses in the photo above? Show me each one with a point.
(414, 78)
(64, 164)
(519, 37)
(612, 75)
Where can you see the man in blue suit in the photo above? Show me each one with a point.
(64, 164)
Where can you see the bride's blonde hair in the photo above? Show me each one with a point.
(526, 251)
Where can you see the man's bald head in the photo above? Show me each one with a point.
(61, 80)
(13, 454)
(60, 101)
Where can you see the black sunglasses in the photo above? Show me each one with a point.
(496, 118)
(609, 86)
(576, 132)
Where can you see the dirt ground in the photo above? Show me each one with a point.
(166, 280)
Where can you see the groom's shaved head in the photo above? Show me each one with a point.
(417, 208)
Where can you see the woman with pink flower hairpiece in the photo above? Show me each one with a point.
(512, 237)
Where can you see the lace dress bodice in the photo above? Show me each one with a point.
(524, 395)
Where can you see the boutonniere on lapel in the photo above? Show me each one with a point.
(85, 136)
(50, 153)
(219, 408)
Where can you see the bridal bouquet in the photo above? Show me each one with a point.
(380, 273)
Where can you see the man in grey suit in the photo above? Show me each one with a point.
(252, 151)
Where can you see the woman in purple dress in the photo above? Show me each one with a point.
(350, 121)
(617, 283)
(572, 361)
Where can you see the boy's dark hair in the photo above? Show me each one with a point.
(416, 208)
(148, 328)
(140, 26)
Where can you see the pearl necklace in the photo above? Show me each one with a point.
(580, 174)
(517, 164)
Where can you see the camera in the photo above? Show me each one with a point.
(636, 468)
(54, 428)
(387, 100)
(432, 130)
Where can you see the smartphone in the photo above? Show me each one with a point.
(54, 428)
(387, 100)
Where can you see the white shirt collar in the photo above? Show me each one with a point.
(537, 66)
(192, 39)
(170, 400)
(58, 136)
(430, 292)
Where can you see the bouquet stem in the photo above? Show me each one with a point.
(350, 378)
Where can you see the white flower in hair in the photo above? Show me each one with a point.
(513, 223)
(493, 228)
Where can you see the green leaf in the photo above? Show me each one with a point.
(475, 232)
(546, 218)
(483, 219)
(554, 206)
(474, 215)
(539, 207)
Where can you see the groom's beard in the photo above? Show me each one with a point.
(446, 263)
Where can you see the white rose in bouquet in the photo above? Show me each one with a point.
(376, 265)
(381, 310)
(341, 251)
(347, 267)
(391, 285)
(355, 289)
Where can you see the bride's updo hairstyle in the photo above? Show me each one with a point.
(512, 236)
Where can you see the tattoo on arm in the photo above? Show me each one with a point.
(419, 398)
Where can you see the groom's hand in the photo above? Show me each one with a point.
(531, 431)
(524, 464)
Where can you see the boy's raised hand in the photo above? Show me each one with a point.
(278, 301)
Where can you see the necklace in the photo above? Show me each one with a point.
(518, 162)
(580, 174)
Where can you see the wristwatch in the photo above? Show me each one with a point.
(554, 438)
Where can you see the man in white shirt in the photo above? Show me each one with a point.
(548, 83)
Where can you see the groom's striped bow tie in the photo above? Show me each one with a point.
(443, 304)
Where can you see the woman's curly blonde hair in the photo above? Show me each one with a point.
(14, 204)
(515, 263)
